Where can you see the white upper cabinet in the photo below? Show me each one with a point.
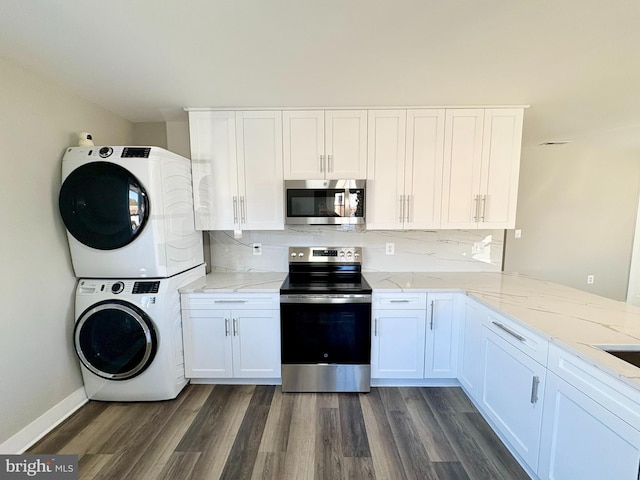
(481, 167)
(325, 144)
(501, 147)
(260, 174)
(423, 168)
(404, 169)
(237, 170)
(385, 169)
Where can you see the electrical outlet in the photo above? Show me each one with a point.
(257, 248)
(390, 248)
(591, 279)
(517, 233)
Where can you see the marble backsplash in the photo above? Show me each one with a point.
(424, 251)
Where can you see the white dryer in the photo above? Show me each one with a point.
(129, 212)
(128, 337)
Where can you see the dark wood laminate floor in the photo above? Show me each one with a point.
(257, 432)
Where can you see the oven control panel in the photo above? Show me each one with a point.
(325, 254)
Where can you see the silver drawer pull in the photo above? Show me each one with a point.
(230, 301)
(509, 331)
(399, 301)
(534, 389)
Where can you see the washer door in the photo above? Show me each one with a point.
(115, 340)
(103, 205)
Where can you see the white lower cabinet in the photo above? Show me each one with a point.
(591, 423)
(512, 392)
(442, 331)
(414, 336)
(227, 337)
(398, 335)
(584, 440)
(470, 343)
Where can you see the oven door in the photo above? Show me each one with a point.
(325, 343)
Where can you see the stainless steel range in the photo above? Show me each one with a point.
(325, 320)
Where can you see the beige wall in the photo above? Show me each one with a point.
(152, 134)
(577, 210)
(39, 120)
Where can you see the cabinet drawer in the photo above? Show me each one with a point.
(520, 337)
(622, 400)
(208, 301)
(400, 301)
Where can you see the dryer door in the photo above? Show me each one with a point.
(103, 205)
(115, 340)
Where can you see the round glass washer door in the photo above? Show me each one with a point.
(115, 340)
(103, 205)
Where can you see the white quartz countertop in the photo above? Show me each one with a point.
(243, 282)
(571, 318)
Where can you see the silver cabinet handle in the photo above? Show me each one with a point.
(484, 207)
(431, 318)
(399, 301)
(401, 217)
(226, 327)
(375, 327)
(509, 331)
(235, 327)
(322, 163)
(243, 218)
(329, 163)
(235, 209)
(476, 201)
(408, 198)
(534, 389)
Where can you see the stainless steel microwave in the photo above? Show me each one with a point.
(324, 202)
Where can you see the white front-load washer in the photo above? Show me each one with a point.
(129, 212)
(128, 337)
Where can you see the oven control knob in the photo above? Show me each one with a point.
(294, 255)
(349, 254)
(341, 254)
(356, 255)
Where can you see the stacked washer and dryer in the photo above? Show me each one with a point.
(130, 225)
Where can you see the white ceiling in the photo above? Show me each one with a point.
(576, 62)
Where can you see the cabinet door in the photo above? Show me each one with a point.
(423, 168)
(441, 351)
(582, 439)
(469, 368)
(207, 343)
(385, 169)
(512, 394)
(500, 167)
(397, 347)
(261, 185)
(462, 161)
(256, 343)
(303, 144)
(346, 144)
(213, 169)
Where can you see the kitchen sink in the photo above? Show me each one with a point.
(628, 353)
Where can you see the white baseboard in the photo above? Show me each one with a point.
(42, 425)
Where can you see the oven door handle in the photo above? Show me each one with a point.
(326, 299)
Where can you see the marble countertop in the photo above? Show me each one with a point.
(237, 282)
(573, 319)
